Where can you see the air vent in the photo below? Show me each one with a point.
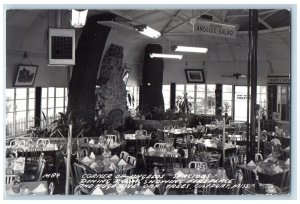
(206, 17)
(61, 46)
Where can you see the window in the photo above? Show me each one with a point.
(227, 97)
(20, 108)
(54, 101)
(202, 97)
(166, 94)
(133, 97)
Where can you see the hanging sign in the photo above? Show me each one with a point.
(215, 29)
(282, 79)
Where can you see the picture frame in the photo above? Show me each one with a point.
(126, 74)
(26, 75)
(194, 76)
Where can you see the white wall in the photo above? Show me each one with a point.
(221, 59)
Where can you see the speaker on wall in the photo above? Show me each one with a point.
(61, 46)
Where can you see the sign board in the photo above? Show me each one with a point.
(283, 79)
(215, 29)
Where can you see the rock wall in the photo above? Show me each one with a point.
(111, 93)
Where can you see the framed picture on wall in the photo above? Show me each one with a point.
(126, 74)
(26, 75)
(194, 76)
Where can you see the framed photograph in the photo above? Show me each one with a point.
(126, 74)
(194, 76)
(26, 75)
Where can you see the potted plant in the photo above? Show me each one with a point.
(184, 106)
(226, 108)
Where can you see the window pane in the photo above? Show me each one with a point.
(21, 93)
(45, 112)
(9, 117)
(59, 92)
(201, 87)
(227, 88)
(44, 103)
(51, 92)
(31, 104)
(31, 115)
(9, 124)
(50, 113)
(20, 105)
(50, 102)
(9, 106)
(20, 116)
(10, 94)
(59, 102)
(227, 96)
(59, 110)
(211, 87)
(31, 92)
(44, 92)
(66, 92)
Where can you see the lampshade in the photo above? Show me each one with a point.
(190, 49)
(78, 18)
(169, 56)
(146, 30)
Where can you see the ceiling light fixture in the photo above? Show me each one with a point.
(146, 30)
(190, 49)
(78, 18)
(169, 56)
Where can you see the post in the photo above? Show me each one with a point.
(69, 150)
(258, 133)
(223, 143)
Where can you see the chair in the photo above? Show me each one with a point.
(198, 165)
(83, 142)
(161, 185)
(43, 142)
(111, 137)
(141, 132)
(79, 171)
(160, 145)
(249, 176)
(258, 157)
(214, 161)
(131, 160)
(192, 153)
(234, 161)
(82, 153)
(51, 188)
(209, 191)
(170, 163)
(143, 151)
(9, 179)
(285, 182)
(37, 176)
(77, 190)
(238, 179)
(124, 155)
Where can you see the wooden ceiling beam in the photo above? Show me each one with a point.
(170, 21)
(135, 18)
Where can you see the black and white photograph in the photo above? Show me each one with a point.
(194, 76)
(155, 102)
(26, 75)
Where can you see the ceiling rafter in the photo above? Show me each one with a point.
(184, 22)
(272, 29)
(138, 17)
(170, 21)
(224, 14)
(270, 14)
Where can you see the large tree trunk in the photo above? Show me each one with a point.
(153, 69)
(81, 97)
